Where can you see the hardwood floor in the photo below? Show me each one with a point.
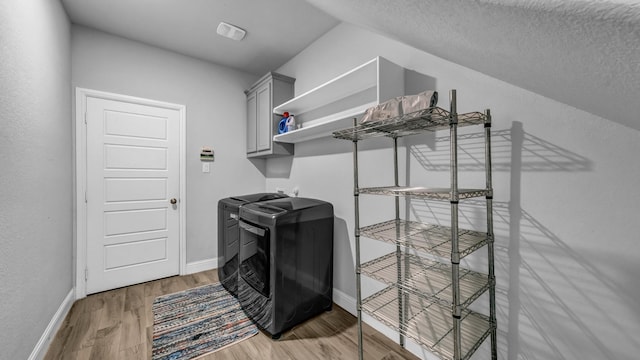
(118, 324)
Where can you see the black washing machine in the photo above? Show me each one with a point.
(286, 261)
(229, 235)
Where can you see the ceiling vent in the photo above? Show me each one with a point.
(231, 31)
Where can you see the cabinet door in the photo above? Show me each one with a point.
(252, 107)
(264, 117)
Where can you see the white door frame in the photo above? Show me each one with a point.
(81, 178)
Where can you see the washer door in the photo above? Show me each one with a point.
(254, 256)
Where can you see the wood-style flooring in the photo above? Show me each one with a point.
(118, 324)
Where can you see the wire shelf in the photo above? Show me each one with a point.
(429, 324)
(427, 297)
(434, 239)
(430, 119)
(430, 279)
(425, 193)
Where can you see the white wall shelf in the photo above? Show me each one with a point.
(334, 104)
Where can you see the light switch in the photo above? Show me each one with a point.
(205, 167)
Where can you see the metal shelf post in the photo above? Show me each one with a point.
(357, 239)
(490, 236)
(455, 252)
(401, 297)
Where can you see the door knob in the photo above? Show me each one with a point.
(173, 201)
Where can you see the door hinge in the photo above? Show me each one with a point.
(85, 196)
(85, 117)
(86, 274)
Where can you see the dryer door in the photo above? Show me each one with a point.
(254, 256)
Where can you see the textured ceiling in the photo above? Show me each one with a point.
(584, 53)
(276, 29)
(580, 52)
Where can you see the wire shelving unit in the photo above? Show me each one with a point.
(427, 298)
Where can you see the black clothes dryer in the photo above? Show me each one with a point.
(286, 261)
(228, 236)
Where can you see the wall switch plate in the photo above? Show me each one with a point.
(205, 167)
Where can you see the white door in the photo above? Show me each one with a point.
(132, 193)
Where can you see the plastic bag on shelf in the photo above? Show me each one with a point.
(423, 100)
(400, 105)
(388, 109)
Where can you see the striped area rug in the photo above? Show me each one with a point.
(197, 321)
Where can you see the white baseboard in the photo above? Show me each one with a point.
(202, 265)
(42, 346)
(345, 301)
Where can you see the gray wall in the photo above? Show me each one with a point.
(36, 177)
(216, 111)
(566, 201)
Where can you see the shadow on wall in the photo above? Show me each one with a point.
(415, 82)
(343, 258)
(512, 150)
(552, 302)
(260, 164)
